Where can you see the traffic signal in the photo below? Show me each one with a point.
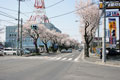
(34, 27)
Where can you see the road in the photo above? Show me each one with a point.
(55, 67)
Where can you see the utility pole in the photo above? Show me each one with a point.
(18, 38)
(18, 26)
(104, 37)
(21, 36)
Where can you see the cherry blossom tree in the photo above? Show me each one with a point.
(89, 20)
(33, 29)
(45, 38)
(61, 40)
(53, 36)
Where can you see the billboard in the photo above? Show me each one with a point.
(108, 0)
(111, 5)
(112, 30)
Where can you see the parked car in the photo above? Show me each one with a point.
(80, 49)
(26, 51)
(10, 51)
(113, 52)
(110, 52)
(66, 51)
(63, 51)
(69, 51)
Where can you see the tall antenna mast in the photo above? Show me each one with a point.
(39, 13)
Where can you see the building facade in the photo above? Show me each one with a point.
(27, 42)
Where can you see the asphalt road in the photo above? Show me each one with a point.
(55, 67)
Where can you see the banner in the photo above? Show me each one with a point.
(112, 30)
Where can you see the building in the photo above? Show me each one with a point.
(27, 42)
(1, 46)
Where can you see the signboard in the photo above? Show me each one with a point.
(112, 29)
(108, 0)
(112, 13)
(111, 5)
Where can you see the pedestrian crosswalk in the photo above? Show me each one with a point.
(61, 58)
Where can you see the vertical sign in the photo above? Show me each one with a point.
(112, 29)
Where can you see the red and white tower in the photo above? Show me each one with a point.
(39, 14)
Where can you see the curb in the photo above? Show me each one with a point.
(99, 63)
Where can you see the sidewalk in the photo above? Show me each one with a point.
(111, 61)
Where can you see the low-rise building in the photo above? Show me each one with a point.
(27, 42)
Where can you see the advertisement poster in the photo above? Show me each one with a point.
(112, 30)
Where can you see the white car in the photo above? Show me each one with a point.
(1, 53)
(10, 51)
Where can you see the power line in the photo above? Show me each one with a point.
(13, 11)
(29, 6)
(49, 6)
(54, 4)
(8, 16)
(8, 9)
(8, 21)
(71, 11)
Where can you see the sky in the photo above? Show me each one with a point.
(67, 24)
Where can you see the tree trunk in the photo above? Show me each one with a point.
(53, 47)
(36, 47)
(46, 48)
(86, 50)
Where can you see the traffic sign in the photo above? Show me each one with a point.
(112, 13)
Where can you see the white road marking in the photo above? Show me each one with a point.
(58, 58)
(76, 59)
(53, 58)
(69, 59)
(64, 58)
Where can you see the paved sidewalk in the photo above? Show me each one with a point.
(111, 61)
